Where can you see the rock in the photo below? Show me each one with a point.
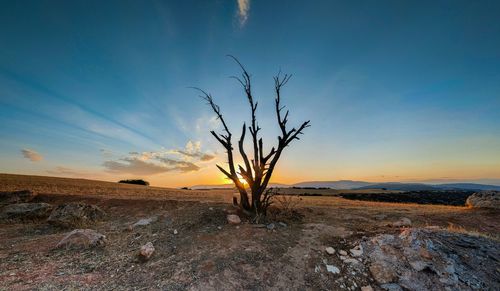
(330, 250)
(332, 269)
(382, 273)
(418, 265)
(484, 199)
(75, 215)
(175, 231)
(82, 238)
(146, 251)
(433, 259)
(342, 252)
(403, 222)
(282, 224)
(26, 211)
(367, 288)
(357, 251)
(144, 221)
(351, 261)
(10, 197)
(233, 219)
(391, 287)
(271, 226)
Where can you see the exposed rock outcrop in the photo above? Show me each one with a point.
(82, 238)
(9, 197)
(430, 259)
(484, 199)
(26, 211)
(75, 215)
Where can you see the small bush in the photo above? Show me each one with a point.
(136, 182)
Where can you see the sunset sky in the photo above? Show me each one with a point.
(395, 90)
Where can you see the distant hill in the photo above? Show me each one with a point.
(401, 186)
(467, 186)
(362, 185)
(342, 184)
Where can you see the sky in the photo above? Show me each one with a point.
(395, 90)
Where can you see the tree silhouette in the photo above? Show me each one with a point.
(258, 169)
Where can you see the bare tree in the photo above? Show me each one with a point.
(258, 169)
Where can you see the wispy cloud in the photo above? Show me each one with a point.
(150, 163)
(243, 11)
(31, 155)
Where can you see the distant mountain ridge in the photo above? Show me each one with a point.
(358, 185)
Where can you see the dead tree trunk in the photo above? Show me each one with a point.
(258, 169)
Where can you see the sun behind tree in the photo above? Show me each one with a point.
(258, 169)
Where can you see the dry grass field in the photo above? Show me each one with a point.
(195, 247)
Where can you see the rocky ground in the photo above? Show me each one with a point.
(325, 243)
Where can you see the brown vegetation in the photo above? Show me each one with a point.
(195, 248)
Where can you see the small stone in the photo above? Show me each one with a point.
(342, 252)
(424, 253)
(219, 227)
(146, 251)
(271, 226)
(210, 208)
(391, 287)
(144, 221)
(381, 273)
(175, 231)
(233, 219)
(351, 261)
(403, 222)
(418, 265)
(330, 250)
(332, 269)
(357, 251)
(282, 224)
(367, 288)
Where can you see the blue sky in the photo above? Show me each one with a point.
(395, 90)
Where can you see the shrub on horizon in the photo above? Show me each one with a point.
(136, 182)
